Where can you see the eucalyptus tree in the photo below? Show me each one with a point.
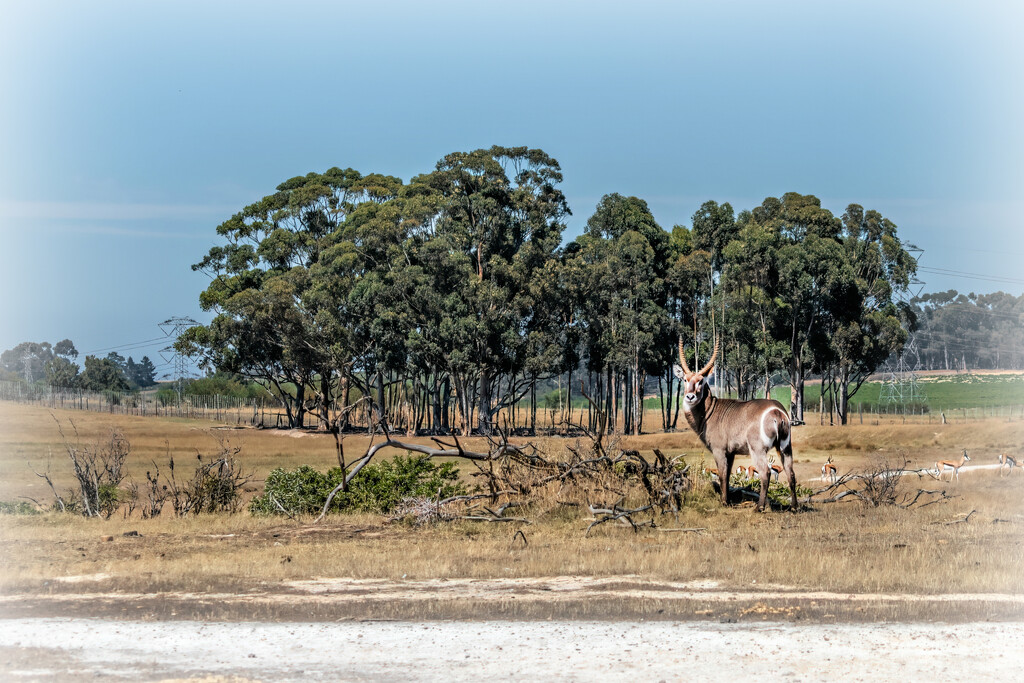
(689, 283)
(869, 317)
(499, 220)
(782, 263)
(750, 283)
(61, 370)
(623, 260)
(27, 360)
(102, 374)
(266, 328)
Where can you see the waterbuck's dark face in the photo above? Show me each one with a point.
(695, 384)
(695, 387)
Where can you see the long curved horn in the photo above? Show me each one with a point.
(682, 358)
(711, 363)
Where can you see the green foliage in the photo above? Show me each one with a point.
(778, 491)
(102, 374)
(225, 384)
(302, 491)
(140, 375)
(378, 487)
(27, 360)
(109, 497)
(20, 507)
(167, 396)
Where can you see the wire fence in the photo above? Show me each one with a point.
(264, 413)
(143, 404)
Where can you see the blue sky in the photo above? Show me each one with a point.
(130, 130)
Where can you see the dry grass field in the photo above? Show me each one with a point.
(970, 544)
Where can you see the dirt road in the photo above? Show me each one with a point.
(68, 649)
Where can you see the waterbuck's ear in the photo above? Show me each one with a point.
(678, 371)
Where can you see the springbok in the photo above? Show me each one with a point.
(829, 471)
(952, 465)
(1007, 461)
(728, 427)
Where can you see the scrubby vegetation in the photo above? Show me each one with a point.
(378, 487)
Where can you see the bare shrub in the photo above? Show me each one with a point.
(99, 471)
(883, 483)
(156, 493)
(215, 485)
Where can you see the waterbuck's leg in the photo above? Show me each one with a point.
(764, 473)
(722, 462)
(766, 476)
(787, 467)
(730, 461)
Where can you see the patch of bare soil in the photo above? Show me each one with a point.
(560, 597)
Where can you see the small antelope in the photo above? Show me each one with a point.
(1007, 461)
(728, 427)
(952, 465)
(829, 471)
(712, 472)
(776, 470)
(748, 471)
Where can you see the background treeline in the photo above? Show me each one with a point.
(55, 365)
(449, 300)
(969, 331)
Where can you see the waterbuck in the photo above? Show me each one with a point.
(728, 427)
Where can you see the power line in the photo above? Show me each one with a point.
(984, 312)
(973, 276)
(131, 345)
(958, 343)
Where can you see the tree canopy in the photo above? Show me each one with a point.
(445, 301)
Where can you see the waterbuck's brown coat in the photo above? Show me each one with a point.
(728, 427)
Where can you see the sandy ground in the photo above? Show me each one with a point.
(559, 598)
(70, 649)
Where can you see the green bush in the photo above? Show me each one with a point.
(21, 507)
(377, 487)
(778, 491)
(302, 491)
(380, 487)
(167, 396)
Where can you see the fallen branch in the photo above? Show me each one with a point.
(615, 513)
(958, 521)
(492, 518)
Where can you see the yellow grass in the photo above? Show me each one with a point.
(839, 547)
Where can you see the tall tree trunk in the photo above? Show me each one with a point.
(661, 400)
(796, 386)
(484, 404)
(435, 408)
(446, 400)
(326, 394)
(533, 406)
(300, 405)
(346, 388)
(568, 399)
(843, 397)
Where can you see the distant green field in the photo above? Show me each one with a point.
(947, 392)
